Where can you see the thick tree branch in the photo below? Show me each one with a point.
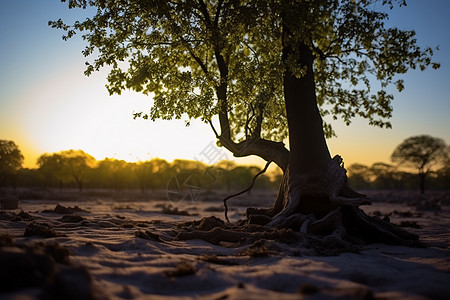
(266, 149)
(221, 91)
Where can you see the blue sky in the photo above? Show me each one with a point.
(48, 105)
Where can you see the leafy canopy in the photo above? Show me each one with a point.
(183, 52)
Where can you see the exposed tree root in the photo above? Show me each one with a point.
(373, 229)
(215, 231)
(240, 235)
(246, 190)
(320, 213)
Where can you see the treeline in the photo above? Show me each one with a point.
(77, 169)
(388, 177)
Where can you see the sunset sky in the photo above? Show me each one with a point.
(48, 105)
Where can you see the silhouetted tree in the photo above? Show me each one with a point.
(51, 168)
(162, 168)
(11, 160)
(144, 172)
(222, 169)
(266, 70)
(421, 152)
(29, 178)
(113, 172)
(77, 163)
(383, 175)
(359, 176)
(67, 164)
(443, 179)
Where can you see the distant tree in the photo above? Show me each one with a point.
(241, 177)
(223, 169)
(264, 70)
(113, 172)
(11, 160)
(162, 168)
(77, 163)
(144, 172)
(63, 165)
(359, 176)
(383, 175)
(443, 180)
(51, 169)
(193, 172)
(29, 178)
(421, 152)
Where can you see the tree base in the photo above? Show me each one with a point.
(258, 240)
(346, 229)
(324, 216)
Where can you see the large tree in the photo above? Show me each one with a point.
(263, 71)
(422, 152)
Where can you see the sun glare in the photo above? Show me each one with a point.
(64, 116)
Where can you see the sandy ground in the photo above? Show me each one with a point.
(120, 248)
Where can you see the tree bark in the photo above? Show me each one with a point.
(308, 147)
(309, 154)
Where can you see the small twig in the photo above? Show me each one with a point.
(246, 190)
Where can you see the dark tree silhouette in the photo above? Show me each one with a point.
(359, 176)
(383, 175)
(144, 173)
(11, 160)
(262, 71)
(422, 153)
(50, 167)
(114, 172)
(66, 164)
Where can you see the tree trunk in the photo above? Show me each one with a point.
(309, 156)
(313, 178)
(422, 176)
(79, 183)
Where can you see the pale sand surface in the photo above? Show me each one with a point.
(124, 266)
